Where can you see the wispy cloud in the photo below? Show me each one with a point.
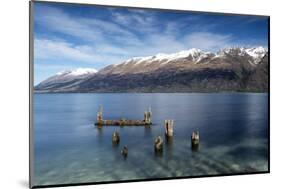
(86, 29)
(137, 21)
(56, 20)
(208, 41)
(49, 49)
(65, 51)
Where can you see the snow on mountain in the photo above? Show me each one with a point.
(196, 55)
(257, 53)
(233, 51)
(192, 53)
(77, 72)
(66, 76)
(191, 56)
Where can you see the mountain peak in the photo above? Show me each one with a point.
(256, 53)
(192, 53)
(77, 72)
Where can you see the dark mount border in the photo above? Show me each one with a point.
(31, 91)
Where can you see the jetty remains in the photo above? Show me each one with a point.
(123, 122)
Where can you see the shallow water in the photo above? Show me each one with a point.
(68, 148)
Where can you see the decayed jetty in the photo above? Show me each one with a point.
(123, 122)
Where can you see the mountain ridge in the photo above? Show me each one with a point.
(193, 70)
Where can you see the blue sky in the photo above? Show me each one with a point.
(68, 36)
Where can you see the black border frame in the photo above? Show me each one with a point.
(31, 80)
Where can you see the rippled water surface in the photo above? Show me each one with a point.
(68, 148)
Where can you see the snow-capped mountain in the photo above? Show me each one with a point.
(67, 77)
(151, 63)
(191, 56)
(195, 55)
(190, 70)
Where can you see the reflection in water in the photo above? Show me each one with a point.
(169, 146)
(147, 131)
(99, 134)
(115, 144)
(195, 147)
(169, 140)
(69, 149)
(158, 153)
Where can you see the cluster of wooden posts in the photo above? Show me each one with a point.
(116, 140)
(158, 142)
(169, 133)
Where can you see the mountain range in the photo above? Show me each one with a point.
(193, 70)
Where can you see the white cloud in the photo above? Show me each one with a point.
(61, 50)
(87, 29)
(208, 41)
(48, 49)
(138, 20)
(56, 20)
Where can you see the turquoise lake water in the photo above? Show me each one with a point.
(68, 148)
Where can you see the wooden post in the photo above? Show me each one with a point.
(115, 138)
(145, 117)
(125, 151)
(169, 128)
(99, 116)
(158, 144)
(195, 141)
(149, 115)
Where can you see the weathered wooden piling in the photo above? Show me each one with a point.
(158, 144)
(99, 117)
(169, 125)
(195, 141)
(115, 138)
(124, 151)
(147, 116)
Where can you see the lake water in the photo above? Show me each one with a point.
(68, 148)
